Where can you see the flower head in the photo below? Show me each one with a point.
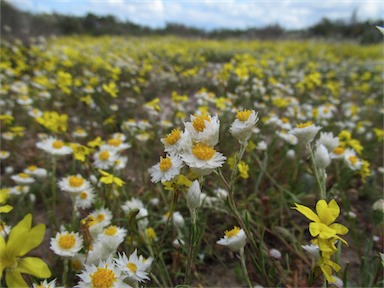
(66, 244)
(234, 239)
(204, 128)
(243, 125)
(305, 132)
(167, 168)
(132, 267)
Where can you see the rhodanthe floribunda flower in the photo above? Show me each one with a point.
(167, 168)
(112, 236)
(132, 267)
(142, 215)
(202, 158)
(243, 125)
(321, 156)
(85, 199)
(23, 179)
(21, 240)
(116, 145)
(105, 274)
(66, 244)
(193, 195)
(328, 140)
(323, 226)
(338, 152)
(172, 141)
(353, 162)
(305, 132)
(74, 184)
(234, 239)
(177, 218)
(4, 154)
(45, 284)
(104, 159)
(36, 171)
(204, 128)
(54, 146)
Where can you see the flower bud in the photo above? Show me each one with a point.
(322, 158)
(193, 195)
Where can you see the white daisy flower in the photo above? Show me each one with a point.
(132, 267)
(24, 100)
(4, 154)
(243, 125)
(262, 146)
(142, 137)
(203, 159)
(234, 239)
(119, 136)
(105, 274)
(8, 135)
(23, 179)
(98, 251)
(120, 163)
(328, 140)
(166, 169)
(177, 219)
(34, 113)
(112, 236)
(36, 171)
(79, 133)
(85, 198)
(142, 215)
(305, 132)
(116, 145)
(45, 284)
(204, 128)
(172, 141)
(19, 190)
(289, 138)
(353, 162)
(77, 262)
(66, 244)
(103, 216)
(338, 153)
(54, 146)
(74, 184)
(104, 159)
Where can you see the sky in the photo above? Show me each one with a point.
(213, 14)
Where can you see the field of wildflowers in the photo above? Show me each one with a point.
(166, 162)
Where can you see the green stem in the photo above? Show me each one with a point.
(192, 246)
(320, 181)
(65, 273)
(53, 189)
(244, 266)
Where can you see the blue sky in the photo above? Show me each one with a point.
(213, 14)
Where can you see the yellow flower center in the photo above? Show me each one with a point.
(100, 217)
(114, 142)
(75, 181)
(173, 137)
(243, 115)
(338, 150)
(285, 120)
(199, 124)
(3, 153)
(83, 195)
(23, 175)
(303, 125)
(111, 230)
(202, 151)
(165, 163)
(132, 266)
(103, 278)
(150, 232)
(352, 159)
(104, 155)
(232, 232)
(32, 168)
(67, 241)
(57, 144)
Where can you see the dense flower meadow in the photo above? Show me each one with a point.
(134, 162)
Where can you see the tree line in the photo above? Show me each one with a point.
(23, 25)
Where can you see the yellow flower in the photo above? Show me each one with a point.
(108, 178)
(79, 151)
(326, 265)
(21, 240)
(322, 226)
(111, 89)
(243, 169)
(53, 121)
(95, 142)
